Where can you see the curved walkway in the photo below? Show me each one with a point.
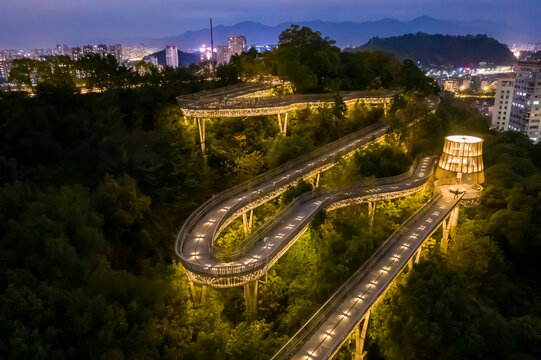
(249, 99)
(194, 244)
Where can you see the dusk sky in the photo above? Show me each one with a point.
(43, 23)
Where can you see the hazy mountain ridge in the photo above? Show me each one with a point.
(443, 49)
(344, 33)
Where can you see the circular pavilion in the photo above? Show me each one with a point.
(462, 158)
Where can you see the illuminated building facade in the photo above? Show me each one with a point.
(502, 102)
(171, 56)
(462, 158)
(526, 105)
(237, 45)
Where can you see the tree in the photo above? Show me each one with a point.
(306, 59)
(24, 72)
(429, 315)
(412, 78)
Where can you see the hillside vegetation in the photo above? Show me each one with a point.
(443, 49)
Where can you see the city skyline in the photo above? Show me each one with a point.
(32, 24)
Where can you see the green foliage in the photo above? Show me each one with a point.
(252, 341)
(381, 160)
(307, 60)
(446, 324)
(23, 71)
(295, 191)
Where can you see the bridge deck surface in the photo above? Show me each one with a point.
(328, 337)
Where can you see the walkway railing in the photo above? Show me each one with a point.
(223, 253)
(301, 336)
(201, 211)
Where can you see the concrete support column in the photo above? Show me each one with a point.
(360, 337)
(418, 255)
(445, 227)
(410, 263)
(282, 126)
(448, 226)
(371, 214)
(317, 179)
(454, 218)
(250, 296)
(201, 128)
(198, 295)
(247, 222)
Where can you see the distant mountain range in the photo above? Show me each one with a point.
(344, 33)
(443, 49)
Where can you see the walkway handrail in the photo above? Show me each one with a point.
(209, 103)
(202, 210)
(294, 343)
(241, 249)
(227, 254)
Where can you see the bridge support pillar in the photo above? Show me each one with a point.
(282, 126)
(247, 222)
(418, 255)
(448, 226)
(250, 296)
(371, 214)
(360, 337)
(198, 295)
(317, 179)
(201, 129)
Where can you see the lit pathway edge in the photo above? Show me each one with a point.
(322, 336)
(194, 241)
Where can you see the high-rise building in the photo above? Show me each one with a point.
(101, 49)
(236, 45)
(116, 51)
(222, 54)
(76, 53)
(451, 85)
(171, 56)
(502, 102)
(5, 67)
(526, 105)
(88, 50)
